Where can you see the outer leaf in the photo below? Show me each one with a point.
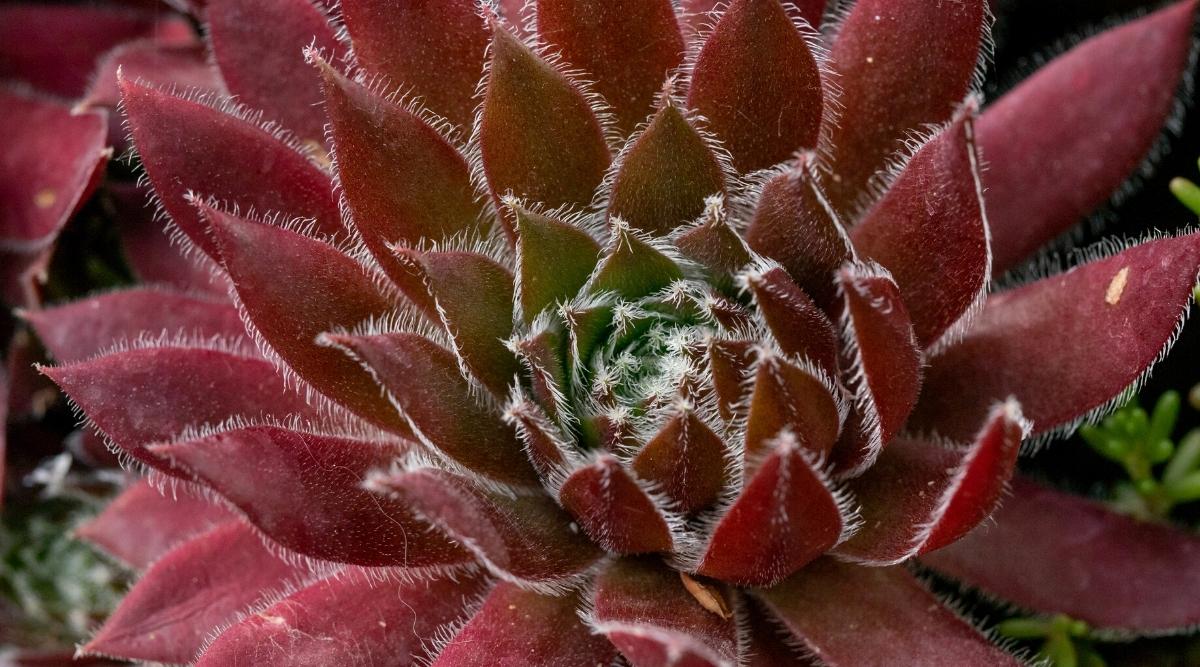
(294, 288)
(544, 241)
(142, 523)
(665, 175)
(795, 226)
(538, 136)
(786, 516)
(922, 494)
(403, 181)
(150, 395)
(1051, 552)
(902, 65)
(931, 233)
(434, 47)
(796, 322)
(626, 46)
(1065, 139)
(643, 608)
(792, 396)
(200, 585)
(526, 539)
(694, 14)
(850, 616)
(258, 44)
(686, 460)
(184, 66)
(758, 84)
(1124, 312)
(268, 472)
(517, 627)
(81, 329)
(390, 627)
(424, 384)
(188, 146)
(885, 364)
(614, 510)
(47, 169)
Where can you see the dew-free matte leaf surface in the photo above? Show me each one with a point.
(1061, 142)
(544, 240)
(797, 323)
(792, 396)
(614, 510)
(1053, 552)
(184, 66)
(685, 458)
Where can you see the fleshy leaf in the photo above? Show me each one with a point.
(1051, 552)
(544, 241)
(614, 510)
(189, 146)
(390, 626)
(81, 329)
(259, 45)
(1060, 143)
(185, 66)
(791, 495)
(799, 326)
(294, 288)
(203, 583)
(538, 136)
(626, 46)
(712, 243)
(434, 47)
(474, 301)
(341, 522)
(525, 539)
(794, 396)
(644, 609)
(142, 523)
(851, 616)
(632, 266)
(685, 458)
(922, 494)
(665, 175)
(930, 232)
(47, 169)
(731, 362)
(541, 357)
(794, 225)
(520, 627)
(902, 65)
(149, 395)
(758, 84)
(1124, 312)
(403, 181)
(885, 364)
(424, 384)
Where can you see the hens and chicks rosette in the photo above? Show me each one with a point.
(612, 331)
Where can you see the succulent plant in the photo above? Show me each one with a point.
(601, 331)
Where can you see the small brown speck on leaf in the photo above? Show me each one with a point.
(708, 597)
(45, 198)
(1112, 296)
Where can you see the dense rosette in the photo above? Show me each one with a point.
(567, 340)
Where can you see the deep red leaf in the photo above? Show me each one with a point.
(1124, 311)
(794, 225)
(295, 288)
(538, 136)
(423, 381)
(1051, 552)
(645, 198)
(527, 538)
(799, 326)
(643, 608)
(922, 494)
(626, 46)
(1061, 142)
(391, 625)
(518, 627)
(930, 231)
(78, 330)
(204, 583)
(268, 472)
(694, 14)
(189, 146)
(786, 516)
(686, 459)
(434, 47)
(259, 45)
(614, 510)
(143, 523)
(149, 395)
(183, 65)
(885, 364)
(730, 362)
(758, 84)
(902, 64)
(794, 396)
(541, 357)
(852, 616)
(712, 243)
